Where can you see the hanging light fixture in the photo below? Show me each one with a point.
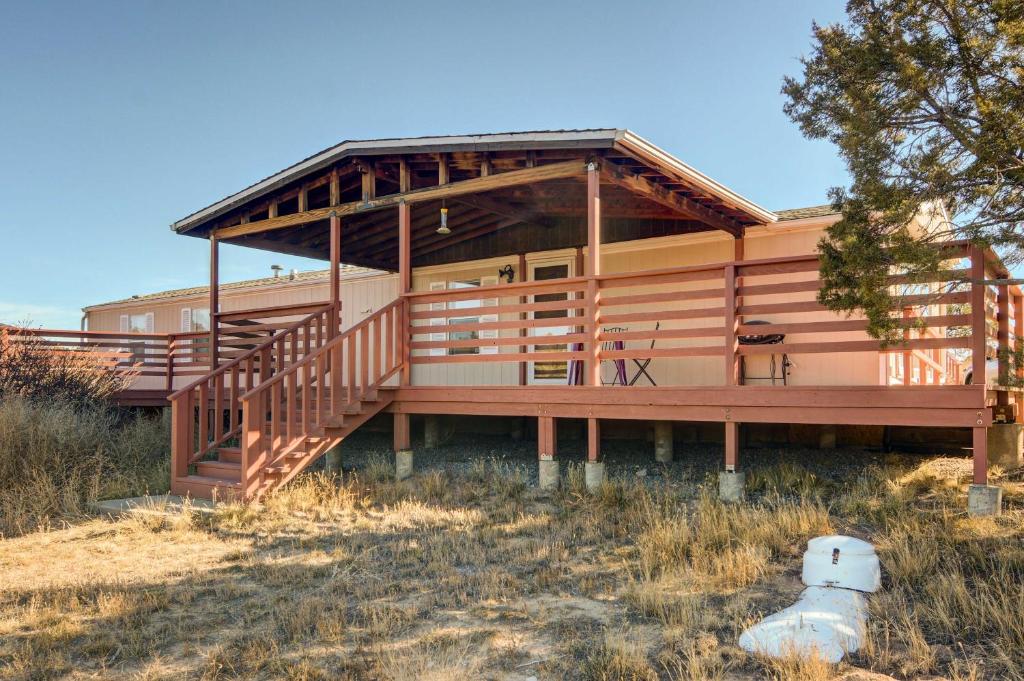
(443, 229)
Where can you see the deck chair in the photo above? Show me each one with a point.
(641, 365)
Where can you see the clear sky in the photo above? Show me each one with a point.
(118, 118)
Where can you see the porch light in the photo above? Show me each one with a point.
(443, 229)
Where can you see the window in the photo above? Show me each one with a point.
(469, 348)
(195, 319)
(137, 323)
(201, 319)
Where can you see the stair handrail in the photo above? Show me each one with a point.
(291, 384)
(310, 357)
(252, 352)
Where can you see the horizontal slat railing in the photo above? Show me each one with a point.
(315, 390)
(691, 314)
(206, 414)
(490, 323)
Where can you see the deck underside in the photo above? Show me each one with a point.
(951, 406)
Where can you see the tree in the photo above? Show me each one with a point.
(925, 100)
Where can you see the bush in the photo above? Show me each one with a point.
(32, 369)
(56, 458)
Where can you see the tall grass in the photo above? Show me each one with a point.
(56, 458)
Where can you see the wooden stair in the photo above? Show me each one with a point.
(287, 401)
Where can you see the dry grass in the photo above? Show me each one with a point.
(55, 458)
(470, 576)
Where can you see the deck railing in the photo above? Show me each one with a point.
(316, 391)
(207, 412)
(702, 311)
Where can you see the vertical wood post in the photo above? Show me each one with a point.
(593, 439)
(335, 315)
(405, 284)
(214, 301)
(1018, 332)
(980, 443)
(731, 356)
(907, 354)
(1003, 340)
(251, 443)
(172, 344)
(592, 374)
(732, 446)
(181, 434)
(978, 325)
(523, 276)
(547, 437)
(402, 438)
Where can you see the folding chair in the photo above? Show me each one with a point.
(642, 366)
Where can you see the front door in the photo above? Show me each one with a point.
(554, 371)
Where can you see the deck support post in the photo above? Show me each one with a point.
(403, 447)
(983, 499)
(214, 300)
(978, 341)
(405, 280)
(731, 481)
(547, 450)
(592, 373)
(663, 441)
(593, 470)
(1003, 342)
(335, 315)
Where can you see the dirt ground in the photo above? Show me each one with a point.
(467, 572)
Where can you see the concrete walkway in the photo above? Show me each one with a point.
(160, 504)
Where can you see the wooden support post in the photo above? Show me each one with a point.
(592, 374)
(907, 354)
(335, 315)
(405, 284)
(443, 176)
(402, 438)
(980, 442)
(404, 179)
(272, 209)
(593, 440)
(335, 188)
(523, 300)
(1003, 342)
(369, 180)
(486, 167)
(732, 446)
(303, 200)
(214, 301)
(1018, 335)
(978, 325)
(732, 364)
(547, 437)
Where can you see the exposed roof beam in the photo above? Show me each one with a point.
(474, 185)
(655, 192)
(503, 209)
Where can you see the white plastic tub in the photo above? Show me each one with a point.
(843, 562)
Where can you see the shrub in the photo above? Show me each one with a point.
(56, 458)
(32, 369)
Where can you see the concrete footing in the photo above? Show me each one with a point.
(332, 459)
(403, 464)
(548, 474)
(663, 441)
(984, 500)
(730, 486)
(593, 474)
(1006, 445)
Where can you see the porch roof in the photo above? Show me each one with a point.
(648, 192)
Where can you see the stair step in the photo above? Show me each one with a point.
(227, 470)
(233, 454)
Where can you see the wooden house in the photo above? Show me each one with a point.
(581, 274)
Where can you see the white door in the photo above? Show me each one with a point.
(555, 371)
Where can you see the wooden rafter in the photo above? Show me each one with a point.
(655, 192)
(474, 185)
(503, 209)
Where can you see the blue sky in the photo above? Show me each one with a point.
(121, 117)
